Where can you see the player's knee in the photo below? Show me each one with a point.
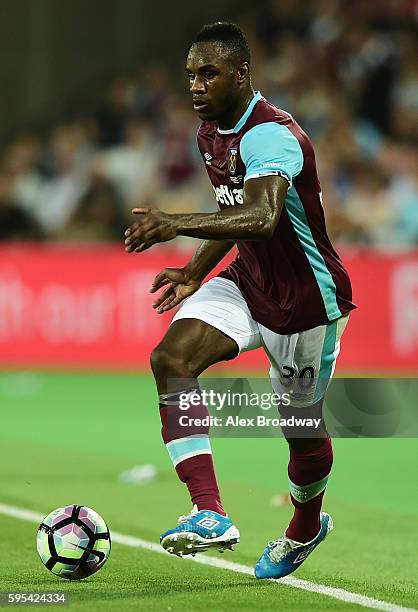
(161, 360)
(304, 445)
(167, 363)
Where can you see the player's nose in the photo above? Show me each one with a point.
(197, 85)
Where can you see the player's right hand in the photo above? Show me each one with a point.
(180, 286)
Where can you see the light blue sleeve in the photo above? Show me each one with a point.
(270, 148)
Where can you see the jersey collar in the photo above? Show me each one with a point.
(238, 126)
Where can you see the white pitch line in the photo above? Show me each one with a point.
(305, 585)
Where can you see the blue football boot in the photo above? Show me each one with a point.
(199, 531)
(284, 556)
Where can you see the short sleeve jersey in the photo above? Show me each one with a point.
(295, 280)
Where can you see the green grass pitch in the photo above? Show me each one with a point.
(65, 438)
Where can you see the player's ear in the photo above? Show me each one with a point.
(243, 72)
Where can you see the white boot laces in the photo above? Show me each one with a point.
(183, 518)
(280, 548)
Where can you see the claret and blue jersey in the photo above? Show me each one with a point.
(295, 280)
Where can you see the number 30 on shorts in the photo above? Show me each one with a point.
(307, 374)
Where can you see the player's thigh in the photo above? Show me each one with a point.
(191, 345)
(212, 325)
(304, 363)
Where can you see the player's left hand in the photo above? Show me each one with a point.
(152, 226)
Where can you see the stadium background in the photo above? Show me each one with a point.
(95, 119)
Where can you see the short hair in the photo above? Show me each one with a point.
(230, 36)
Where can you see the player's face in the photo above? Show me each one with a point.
(215, 82)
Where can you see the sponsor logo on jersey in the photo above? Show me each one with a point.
(230, 197)
(232, 160)
(208, 157)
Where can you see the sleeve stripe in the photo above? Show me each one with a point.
(269, 147)
(271, 173)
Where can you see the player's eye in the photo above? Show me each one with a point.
(190, 76)
(208, 74)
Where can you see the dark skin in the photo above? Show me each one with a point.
(221, 90)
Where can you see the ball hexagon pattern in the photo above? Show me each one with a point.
(73, 542)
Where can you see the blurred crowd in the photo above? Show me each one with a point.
(346, 70)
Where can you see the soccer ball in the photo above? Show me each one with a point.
(73, 542)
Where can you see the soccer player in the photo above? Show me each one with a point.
(287, 291)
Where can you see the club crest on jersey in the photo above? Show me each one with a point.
(232, 160)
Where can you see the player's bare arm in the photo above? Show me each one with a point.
(207, 256)
(255, 219)
(183, 282)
